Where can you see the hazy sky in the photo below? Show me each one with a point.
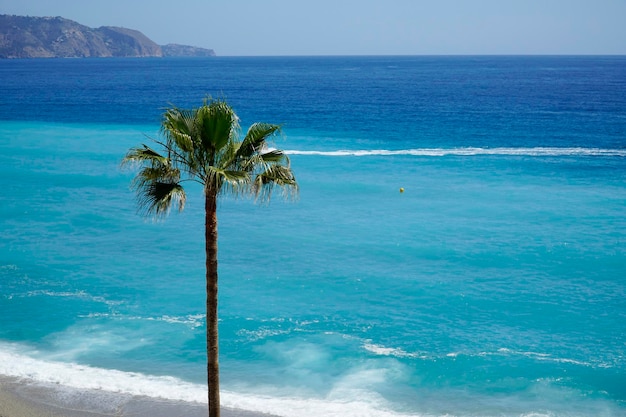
(357, 27)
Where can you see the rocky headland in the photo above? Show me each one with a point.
(56, 37)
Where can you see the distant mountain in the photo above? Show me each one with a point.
(56, 37)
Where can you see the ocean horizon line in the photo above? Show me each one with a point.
(346, 55)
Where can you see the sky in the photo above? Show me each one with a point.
(358, 27)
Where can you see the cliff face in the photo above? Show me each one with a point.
(48, 37)
(127, 42)
(173, 49)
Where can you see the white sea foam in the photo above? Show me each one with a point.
(400, 353)
(192, 320)
(297, 407)
(537, 415)
(543, 357)
(79, 376)
(262, 333)
(80, 294)
(387, 351)
(471, 151)
(32, 366)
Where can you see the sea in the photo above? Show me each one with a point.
(458, 246)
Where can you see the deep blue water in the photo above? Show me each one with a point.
(494, 285)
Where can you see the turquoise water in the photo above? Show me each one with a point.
(494, 285)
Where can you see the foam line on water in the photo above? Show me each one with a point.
(470, 151)
(33, 368)
(381, 350)
(79, 376)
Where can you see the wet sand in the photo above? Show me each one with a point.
(23, 398)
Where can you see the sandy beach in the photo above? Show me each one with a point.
(24, 398)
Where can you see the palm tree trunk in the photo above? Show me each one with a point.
(211, 302)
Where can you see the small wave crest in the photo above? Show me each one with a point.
(387, 351)
(547, 358)
(78, 376)
(262, 333)
(381, 350)
(191, 320)
(74, 376)
(430, 152)
(80, 294)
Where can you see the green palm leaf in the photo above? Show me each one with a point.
(256, 138)
(157, 198)
(217, 123)
(143, 155)
(275, 175)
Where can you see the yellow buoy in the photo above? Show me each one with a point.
(401, 189)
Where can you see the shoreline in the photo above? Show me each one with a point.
(20, 397)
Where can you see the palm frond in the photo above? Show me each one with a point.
(143, 155)
(256, 138)
(150, 174)
(229, 181)
(158, 197)
(236, 176)
(217, 123)
(275, 175)
(202, 145)
(274, 156)
(178, 128)
(157, 184)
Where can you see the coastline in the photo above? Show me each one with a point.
(21, 397)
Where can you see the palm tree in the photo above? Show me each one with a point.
(203, 145)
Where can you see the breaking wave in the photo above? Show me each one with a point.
(63, 376)
(536, 152)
